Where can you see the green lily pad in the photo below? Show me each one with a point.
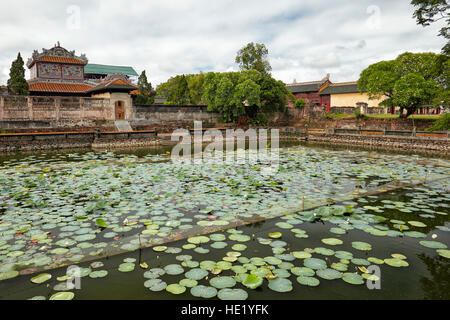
(126, 267)
(232, 294)
(252, 281)
(222, 282)
(433, 244)
(396, 263)
(175, 289)
(444, 253)
(363, 246)
(329, 274)
(204, 292)
(332, 241)
(62, 296)
(315, 264)
(155, 285)
(280, 285)
(174, 269)
(353, 278)
(308, 281)
(41, 278)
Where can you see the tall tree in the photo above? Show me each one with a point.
(145, 87)
(430, 11)
(17, 85)
(254, 57)
(409, 82)
(146, 92)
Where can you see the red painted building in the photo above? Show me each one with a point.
(310, 92)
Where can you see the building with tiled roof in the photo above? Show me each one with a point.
(310, 91)
(57, 71)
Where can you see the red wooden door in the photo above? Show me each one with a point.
(120, 110)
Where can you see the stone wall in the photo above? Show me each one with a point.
(170, 115)
(17, 112)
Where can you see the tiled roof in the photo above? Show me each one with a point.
(305, 87)
(114, 84)
(67, 60)
(105, 70)
(344, 87)
(59, 87)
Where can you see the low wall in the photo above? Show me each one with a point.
(27, 112)
(172, 115)
(441, 146)
(74, 140)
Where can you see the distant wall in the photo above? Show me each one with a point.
(172, 114)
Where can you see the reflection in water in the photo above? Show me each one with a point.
(436, 288)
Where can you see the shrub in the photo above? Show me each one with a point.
(261, 120)
(442, 124)
(358, 114)
(300, 103)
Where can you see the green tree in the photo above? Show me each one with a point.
(300, 103)
(183, 89)
(254, 57)
(246, 93)
(430, 11)
(408, 82)
(17, 85)
(146, 93)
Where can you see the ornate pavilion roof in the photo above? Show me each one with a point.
(57, 54)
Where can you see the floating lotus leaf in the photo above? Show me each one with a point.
(173, 250)
(360, 262)
(308, 281)
(196, 274)
(275, 235)
(280, 285)
(224, 265)
(375, 260)
(338, 231)
(278, 244)
(207, 265)
(59, 251)
(284, 225)
(433, 244)
(272, 260)
(324, 251)
(232, 294)
(189, 246)
(252, 281)
(62, 296)
(315, 264)
(198, 240)
(188, 283)
(8, 274)
(217, 237)
(415, 234)
(329, 274)
(398, 256)
(444, 253)
(222, 282)
(84, 237)
(155, 285)
(160, 248)
(204, 292)
(126, 267)
(173, 269)
(301, 254)
(97, 264)
(183, 257)
(239, 269)
(154, 273)
(175, 289)
(239, 237)
(41, 278)
(339, 266)
(239, 247)
(201, 250)
(38, 298)
(397, 263)
(417, 224)
(363, 246)
(303, 271)
(219, 245)
(353, 278)
(281, 273)
(332, 241)
(98, 274)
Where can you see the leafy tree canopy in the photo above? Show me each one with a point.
(245, 93)
(430, 11)
(409, 82)
(254, 57)
(17, 85)
(146, 92)
(183, 89)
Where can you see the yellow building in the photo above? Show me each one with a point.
(347, 95)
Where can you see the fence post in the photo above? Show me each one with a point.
(384, 131)
(414, 132)
(30, 108)
(359, 129)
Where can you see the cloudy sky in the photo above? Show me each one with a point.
(306, 38)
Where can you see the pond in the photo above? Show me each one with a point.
(328, 224)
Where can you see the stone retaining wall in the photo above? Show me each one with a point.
(441, 146)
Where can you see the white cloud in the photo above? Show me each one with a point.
(306, 39)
